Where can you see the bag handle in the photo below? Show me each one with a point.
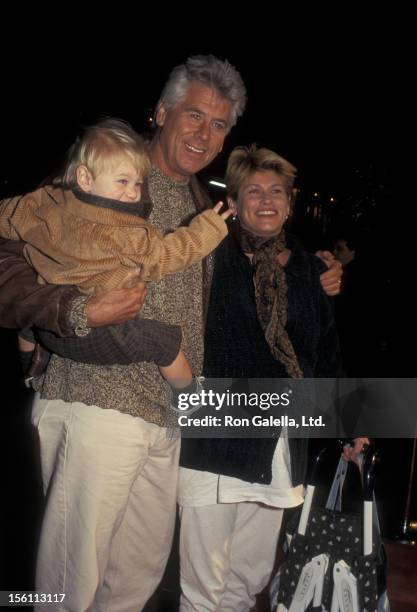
(308, 499)
(367, 462)
(334, 501)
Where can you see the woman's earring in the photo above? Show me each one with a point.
(234, 217)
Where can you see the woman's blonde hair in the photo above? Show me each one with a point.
(244, 161)
(101, 146)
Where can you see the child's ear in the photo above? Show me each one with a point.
(84, 178)
(161, 114)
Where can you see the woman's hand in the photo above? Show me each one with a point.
(350, 453)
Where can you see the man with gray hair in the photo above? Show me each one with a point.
(109, 469)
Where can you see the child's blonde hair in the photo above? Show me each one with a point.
(101, 146)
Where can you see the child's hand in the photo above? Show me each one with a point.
(224, 215)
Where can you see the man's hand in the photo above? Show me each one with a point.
(332, 278)
(118, 305)
(350, 453)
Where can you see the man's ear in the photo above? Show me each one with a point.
(161, 115)
(232, 205)
(84, 178)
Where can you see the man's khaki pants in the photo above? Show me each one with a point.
(110, 482)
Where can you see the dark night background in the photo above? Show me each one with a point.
(335, 101)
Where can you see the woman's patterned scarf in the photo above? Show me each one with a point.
(271, 296)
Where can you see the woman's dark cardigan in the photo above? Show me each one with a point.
(235, 347)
